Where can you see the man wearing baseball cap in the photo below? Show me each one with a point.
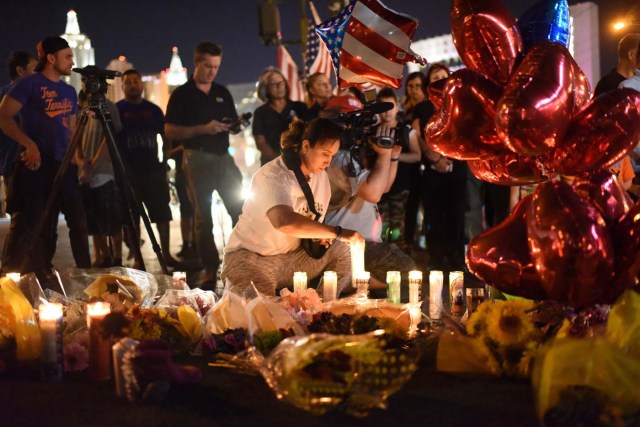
(47, 109)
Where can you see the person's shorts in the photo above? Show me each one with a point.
(103, 207)
(152, 189)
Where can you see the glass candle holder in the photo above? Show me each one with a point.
(329, 286)
(415, 286)
(474, 297)
(299, 281)
(393, 286)
(456, 292)
(362, 282)
(99, 346)
(436, 278)
(50, 320)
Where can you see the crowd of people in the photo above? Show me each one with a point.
(321, 188)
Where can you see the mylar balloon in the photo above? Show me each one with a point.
(626, 239)
(570, 245)
(534, 112)
(603, 132)
(436, 92)
(486, 36)
(580, 87)
(511, 169)
(547, 20)
(604, 190)
(500, 256)
(464, 127)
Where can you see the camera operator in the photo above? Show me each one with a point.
(362, 171)
(265, 245)
(47, 107)
(393, 204)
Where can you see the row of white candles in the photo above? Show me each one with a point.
(361, 282)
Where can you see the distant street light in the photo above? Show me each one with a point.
(620, 25)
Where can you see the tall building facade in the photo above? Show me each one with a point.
(83, 53)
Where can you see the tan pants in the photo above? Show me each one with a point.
(241, 268)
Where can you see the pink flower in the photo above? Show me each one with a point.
(76, 357)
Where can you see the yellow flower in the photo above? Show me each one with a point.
(509, 325)
(477, 324)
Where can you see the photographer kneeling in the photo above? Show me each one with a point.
(362, 171)
(265, 245)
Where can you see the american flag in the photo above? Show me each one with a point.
(369, 43)
(289, 69)
(317, 58)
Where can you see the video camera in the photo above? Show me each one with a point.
(236, 125)
(95, 79)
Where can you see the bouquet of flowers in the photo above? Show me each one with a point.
(180, 327)
(320, 372)
(501, 339)
(301, 304)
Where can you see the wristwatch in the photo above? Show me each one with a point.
(338, 231)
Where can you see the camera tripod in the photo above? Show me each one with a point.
(134, 209)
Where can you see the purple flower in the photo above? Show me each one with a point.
(76, 357)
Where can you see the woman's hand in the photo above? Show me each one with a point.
(351, 237)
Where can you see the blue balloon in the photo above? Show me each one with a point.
(547, 20)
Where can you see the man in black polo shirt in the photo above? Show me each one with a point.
(196, 116)
(627, 64)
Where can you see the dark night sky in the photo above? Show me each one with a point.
(145, 30)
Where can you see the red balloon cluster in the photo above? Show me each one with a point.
(524, 117)
(560, 242)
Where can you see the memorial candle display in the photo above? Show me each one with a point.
(362, 282)
(99, 348)
(330, 286)
(456, 292)
(435, 294)
(415, 286)
(393, 286)
(299, 281)
(50, 319)
(357, 261)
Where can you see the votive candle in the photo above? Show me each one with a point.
(456, 292)
(99, 348)
(436, 278)
(179, 280)
(299, 281)
(330, 286)
(50, 319)
(393, 286)
(362, 282)
(415, 286)
(357, 261)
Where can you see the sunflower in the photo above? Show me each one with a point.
(477, 323)
(508, 323)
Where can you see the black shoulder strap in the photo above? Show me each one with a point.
(293, 163)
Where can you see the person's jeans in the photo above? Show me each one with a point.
(206, 173)
(29, 192)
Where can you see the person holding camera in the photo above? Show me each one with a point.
(393, 204)
(362, 171)
(289, 199)
(47, 108)
(274, 116)
(198, 116)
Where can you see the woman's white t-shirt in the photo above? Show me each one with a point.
(274, 184)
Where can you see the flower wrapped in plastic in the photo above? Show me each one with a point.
(579, 380)
(19, 332)
(121, 287)
(500, 339)
(180, 327)
(227, 314)
(265, 314)
(301, 304)
(355, 373)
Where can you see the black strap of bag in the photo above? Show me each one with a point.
(312, 247)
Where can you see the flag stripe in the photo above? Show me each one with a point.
(382, 27)
(407, 24)
(356, 66)
(289, 69)
(372, 39)
(373, 59)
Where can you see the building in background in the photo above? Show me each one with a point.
(83, 53)
(584, 44)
